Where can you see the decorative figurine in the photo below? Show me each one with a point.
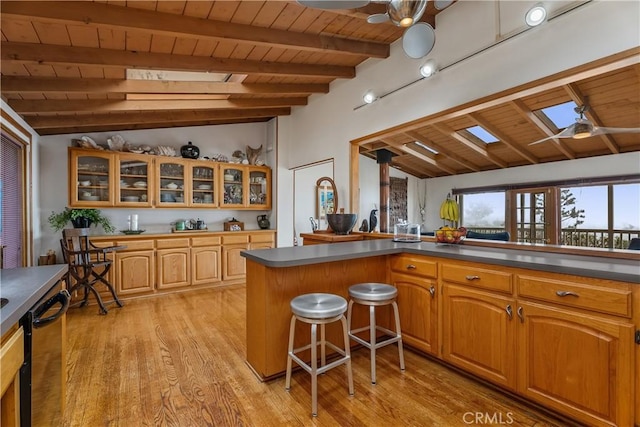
(373, 220)
(365, 226)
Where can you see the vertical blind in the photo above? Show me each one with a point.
(11, 193)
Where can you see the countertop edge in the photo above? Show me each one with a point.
(578, 265)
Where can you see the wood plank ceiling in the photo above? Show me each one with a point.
(64, 68)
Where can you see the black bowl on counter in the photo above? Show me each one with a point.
(342, 223)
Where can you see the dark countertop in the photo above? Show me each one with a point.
(581, 265)
(23, 287)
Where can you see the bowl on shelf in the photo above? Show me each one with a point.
(179, 199)
(172, 186)
(228, 177)
(103, 183)
(204, 187)
(342, 223)
(84, 183)
(167, 198)
(140, 184)
(90, 198)
(131, 199)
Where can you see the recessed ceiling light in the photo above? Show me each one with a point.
(536, 15)
(369, 97)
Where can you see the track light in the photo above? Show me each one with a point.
(429, 68)
(369, 97)
(536, 15)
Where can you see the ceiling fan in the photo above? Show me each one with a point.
(584, 128)
(418, 38)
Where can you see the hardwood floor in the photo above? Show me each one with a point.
(179, 360)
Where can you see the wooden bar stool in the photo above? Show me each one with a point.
(318, 309)
(374, 295)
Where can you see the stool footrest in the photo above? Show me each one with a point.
(378, 343)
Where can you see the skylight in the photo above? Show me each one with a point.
(482, 134)
(429, 149)
(181, 76)
(562, 115)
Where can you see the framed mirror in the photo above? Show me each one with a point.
(326, 198)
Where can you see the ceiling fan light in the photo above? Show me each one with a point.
(405, 13)
(582, 130)
(369, 97)
(429, 68)
(536, 15)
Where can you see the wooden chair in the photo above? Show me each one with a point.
(88, 265)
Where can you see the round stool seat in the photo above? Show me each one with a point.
(318, 306)
(372, 292)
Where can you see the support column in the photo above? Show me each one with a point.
(383, 157)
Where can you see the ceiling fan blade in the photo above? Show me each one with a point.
(418, 40)
(378, 18)
(543, 140)
(567, 132)
(597, 130)
(333, 4)
(442, 4)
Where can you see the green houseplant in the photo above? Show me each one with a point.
(80, 218)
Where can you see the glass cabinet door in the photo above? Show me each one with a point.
(233, 189)
(259, 188)
(172, 180)
(91, 182)
(134, 186)
(203, 189)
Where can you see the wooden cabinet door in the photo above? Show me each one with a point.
(206, 265)
(417, 305)
(233, 264)
(579, 364)
(135, 272)
(479, 333)
(134, 180)
(173, 267)
(259, 196)
(91, 178)
(173, 185)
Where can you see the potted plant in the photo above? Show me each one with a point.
(80, 218)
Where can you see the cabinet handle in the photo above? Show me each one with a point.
(432, 291)
(566, 294)
(509, 311)
(411, 267)
(472, 277)
(521, 314)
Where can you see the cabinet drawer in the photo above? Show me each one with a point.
(232, 240)
(580, 295)
(206, 241)
(494, 280)
(135, 245)
(172, 243)
(262, 238)
(415, 266)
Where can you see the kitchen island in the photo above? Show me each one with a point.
(511, 317)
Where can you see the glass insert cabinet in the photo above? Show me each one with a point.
(118, 179)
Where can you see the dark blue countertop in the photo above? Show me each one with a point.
(23, 287)
(624, 270)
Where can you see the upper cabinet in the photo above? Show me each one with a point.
(91, 178)
(118, 179)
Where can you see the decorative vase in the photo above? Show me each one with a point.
(189, 151)
(81, 222)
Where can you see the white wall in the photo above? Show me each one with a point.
(325, 126)
(223, 139)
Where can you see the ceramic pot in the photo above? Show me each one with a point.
(263, 222)
(189, 151)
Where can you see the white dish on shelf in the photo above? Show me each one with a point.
(172, 186)
(131, 199)
(140, 184)
(90, 198)
(103, 183)
(124, 185)
(84, 183)
(204, 187)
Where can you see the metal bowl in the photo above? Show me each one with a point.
(342, 223)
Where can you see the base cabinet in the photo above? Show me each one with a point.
(174, 266)
(135, 272)
(479, 333)
(206, 265)
(576, 363)
(234, 265)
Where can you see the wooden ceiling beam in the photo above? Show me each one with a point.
(140, 126)
(526, 112)
(427, 159)
(30, 107)
(576, 95)
(442, 151)
(11, 84)
(99, 15)
(85, 120)
(504, 139)
(41, 54)
(446, 130)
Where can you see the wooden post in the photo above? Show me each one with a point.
(383, 157)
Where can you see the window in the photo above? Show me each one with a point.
(483, 212)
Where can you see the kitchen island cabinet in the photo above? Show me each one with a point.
(555, 329)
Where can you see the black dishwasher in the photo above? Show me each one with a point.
(41, 375)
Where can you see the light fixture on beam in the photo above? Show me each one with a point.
(536, 15)
(429, 68)
(369, 97)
